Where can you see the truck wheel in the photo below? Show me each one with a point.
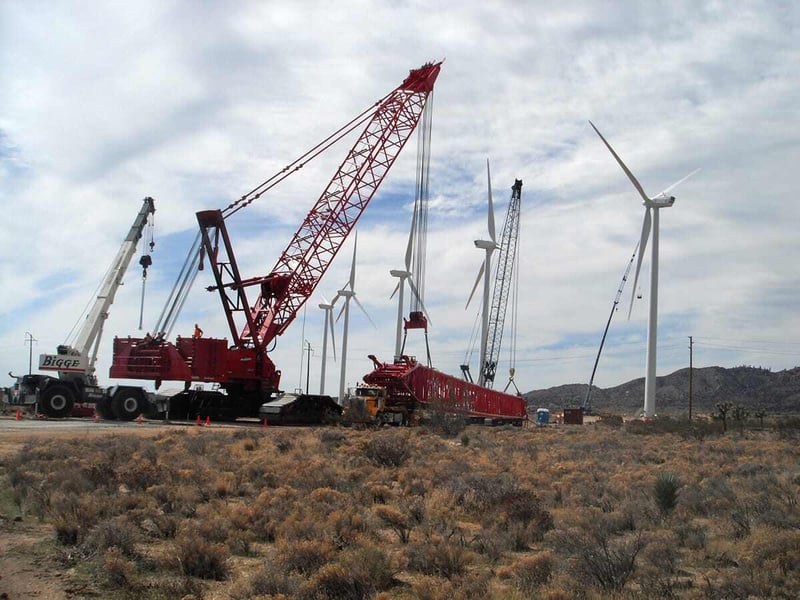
(127, 404)
(56, 401)
(103, 408)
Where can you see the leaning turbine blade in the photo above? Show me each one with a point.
(421, 303)
(396, 288)
(341, 310)
(491, 204)
(633, 179)
(477, 281)
(364, 310)
(642, 246)
(677, 183)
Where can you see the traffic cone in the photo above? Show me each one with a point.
(197, 420)
(265, 422)
(208, 421)
(19, 415)
(139, 420)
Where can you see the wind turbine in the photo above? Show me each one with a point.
(652, 206)
(488, 246)
(402, 276)
(348, 293)
(328, 308)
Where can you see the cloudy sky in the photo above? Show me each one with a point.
(195, 103)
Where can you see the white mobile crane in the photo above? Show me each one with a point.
(75, 363)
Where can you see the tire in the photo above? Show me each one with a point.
(127, 404)
(56, 401)
(103, 408)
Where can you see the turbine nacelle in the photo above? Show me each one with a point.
(486, 245)
(660, 201)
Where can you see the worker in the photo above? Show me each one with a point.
(197, 331)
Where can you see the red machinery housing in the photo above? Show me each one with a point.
(242, 367)
(411, 386)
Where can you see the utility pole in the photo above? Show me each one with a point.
(308, 364)
(29, 339)
(690, 377)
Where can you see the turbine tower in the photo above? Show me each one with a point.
(652, 206)
(328, 308)
(402, 276)
(488, 246)
(348, 293)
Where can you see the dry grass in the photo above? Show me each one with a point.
(577, 512)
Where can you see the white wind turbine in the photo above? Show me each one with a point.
(348, 293)
(402, 276)
(652, 205)
(488, 246)
(328, 308)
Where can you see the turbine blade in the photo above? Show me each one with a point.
(396, 289)
(421, 303)
(333, 334)
(353, 265)
(491, 204)
(410, 245)
(642, 246)
(633, 179)
(677, 183)
(341, 310)
(364, 310)
(477, 281)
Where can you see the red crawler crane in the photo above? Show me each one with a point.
(243, 369)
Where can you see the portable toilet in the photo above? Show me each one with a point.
(542, 417)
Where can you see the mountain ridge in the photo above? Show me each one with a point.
(755, 388)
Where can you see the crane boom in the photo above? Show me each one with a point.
(243, 369)
(502, 284)
(84, 350)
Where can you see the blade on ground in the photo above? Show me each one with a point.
(364, 310)
(633, 179)
(421, 303)
(491, 205)
(642, 246)
(677, 183)
(477, 281)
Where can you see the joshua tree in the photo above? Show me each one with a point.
(760, 414)
(723, 408)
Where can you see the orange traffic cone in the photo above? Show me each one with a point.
(197, 420)
(265, 422)
(19, 415)
(208, 421)
(139, 420)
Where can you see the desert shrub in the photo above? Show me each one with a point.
(114, 533)
(117, 570)
(691, 535)
(386, 450)
(445, 424)
(198, 558)
(268, 580)
(399, 522)
(611, 420)
(659, 568)
(71, 516)
(438, 557)
(596, 556)
(531, 572)
(356, 575)
(333, 438)
(304, 556)
(347, 527)
(665, 491)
